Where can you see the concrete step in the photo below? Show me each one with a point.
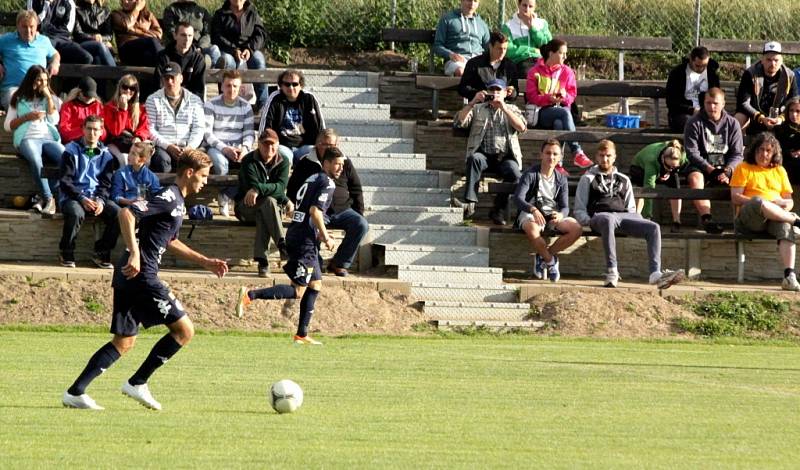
(343, 95)
(464, 293)
(491, 324)
(424, 235)
(395, 255)
(408, 178)
(438, 310)
(387, 161)
(413, 215)
(454, 275)
(357, 127)
(355, 145)
(340, 78)
(426, 197)
(365, 112)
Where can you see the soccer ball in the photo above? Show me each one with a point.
(285, 396)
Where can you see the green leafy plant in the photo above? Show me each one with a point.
(93, 304)
(736, 314)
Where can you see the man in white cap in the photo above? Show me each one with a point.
(764, 90)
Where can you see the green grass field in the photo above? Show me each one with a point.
(477, 402)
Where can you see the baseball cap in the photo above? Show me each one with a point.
(88, 86)
(170, 68)
(496, 83)
(268, 135)
(772, 46)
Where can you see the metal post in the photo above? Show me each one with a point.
(501, 13)
(394, 22)
(697, 23)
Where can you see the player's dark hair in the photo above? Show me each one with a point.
(193, 159)
(297, 73)
(183, 24)
(764, 138)
(332, 153)
(550, 142)
(496, 37)
(698, 52)
(93, 118)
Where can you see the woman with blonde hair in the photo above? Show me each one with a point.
(659, 163)
(125, 118)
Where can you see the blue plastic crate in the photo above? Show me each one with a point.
(622, 121)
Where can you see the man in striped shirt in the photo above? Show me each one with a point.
(229, 130)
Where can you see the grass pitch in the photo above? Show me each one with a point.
(477, 402)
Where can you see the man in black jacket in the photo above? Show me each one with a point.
(484, 68)
(346, 212)
(183, 52)
(198, 17)
(687, 84)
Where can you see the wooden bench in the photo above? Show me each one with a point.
(412, 36)
(746, 47)
(107, 72)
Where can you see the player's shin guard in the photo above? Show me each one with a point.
(163, 350)
(99, 362)
(306, 310)
(281, 291)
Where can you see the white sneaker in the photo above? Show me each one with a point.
(667, 278)
(141, 393)
(82, 402)
(790, 283)
(612, 278)
(223, 200)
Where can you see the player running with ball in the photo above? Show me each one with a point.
(303, 241)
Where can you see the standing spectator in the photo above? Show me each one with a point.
(200, 19)
(527, 33)
(551, 89)
(293, 114)
(237, 30)
(713, 141)
(659, 163)
(763, 91)
(182, 51)
(57, 20)
(138, 33)
(81, 103)
(86, 171)
(135, 181)
(175, 119)
(93, 30)
(687, 85)
(460, 35)
(22, 49)
(761, 187)
(604, 201)
(262, 191)
(788, 134)
(486, 67)
(346, 211)
(542, 197)
(493, 144)
(125, 119)
(229, 130)
(32, 117)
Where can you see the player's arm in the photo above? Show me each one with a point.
(127, 228)
(215, 265)
(318, 219)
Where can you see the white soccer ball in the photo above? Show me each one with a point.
(285, 396)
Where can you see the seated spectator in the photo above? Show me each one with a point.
(346, 211)
(229, 130)
(138, 33)
(86, 171)
(484, 68)
(93, 30)
(713, 141)
(57, 20)
(135, 181)
(493, 144)
(262, 192)
(527, 32)
(190, 58)
(237, 30)
(32, 117)
(175, 119)
(460, 35)
(81, 103)
(764, 90)
(125, 119)
(198, 17)
(761, 188)
(686, 87)
(659, 163)
(550, 91)
(604, 202)
(22, 49)
(542, 197)
(293, 114)
(788, 134)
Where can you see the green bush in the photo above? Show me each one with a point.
(737, 314)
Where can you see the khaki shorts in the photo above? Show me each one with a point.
(750, 221)
(549, 228)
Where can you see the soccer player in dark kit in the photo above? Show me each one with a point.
(303, 240)
(139, 296)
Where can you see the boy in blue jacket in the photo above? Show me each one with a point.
(135, 180)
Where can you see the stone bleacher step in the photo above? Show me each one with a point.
(491, 324)
(464, 293)
(387, 161)
(413, 215)
(355, 127)
(338, 95)
(395, 255)
(439, 310)
(424, 235)
(365, 112)
(426, 197)
(454, 275)
(355, 145)
(340, 78)
(408, 178)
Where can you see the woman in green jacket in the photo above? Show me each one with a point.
(526, 33)
(659, 163)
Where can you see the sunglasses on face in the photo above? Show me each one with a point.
(291, 84)
(132, 88)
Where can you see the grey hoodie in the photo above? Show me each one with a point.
(599, 192)
(717, 143)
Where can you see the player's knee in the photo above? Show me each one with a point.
(316, 285)
(123, 344)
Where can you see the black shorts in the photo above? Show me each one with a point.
(147, 302)
(303, 265)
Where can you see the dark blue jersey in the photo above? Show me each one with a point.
(159, 220)
(317, 191)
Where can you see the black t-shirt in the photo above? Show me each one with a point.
(317, 191)
(768, 93)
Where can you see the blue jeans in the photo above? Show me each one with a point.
(560, 119)
(221, 166)
(34, 151)
(100, 53)
(256, 62)
(295, 153)
(477, 163)
(213, 53)
(355, 228)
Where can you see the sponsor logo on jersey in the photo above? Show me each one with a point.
(163, 306)
(168, 195)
